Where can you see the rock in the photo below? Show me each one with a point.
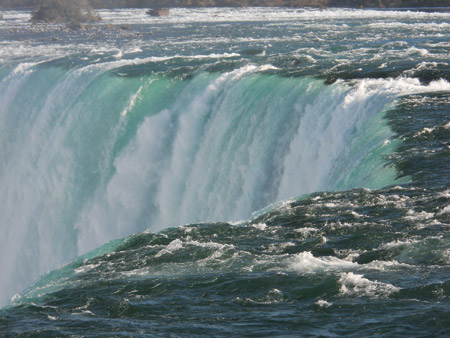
(158, 12)
(75, 25)
(65, 11)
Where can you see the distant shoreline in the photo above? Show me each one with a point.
(431, 5)
(116, 4)
(443, 9)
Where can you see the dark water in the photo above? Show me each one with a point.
(358, 263)
(109, 140)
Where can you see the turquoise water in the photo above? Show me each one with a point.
(236, 172)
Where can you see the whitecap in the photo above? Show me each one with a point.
(356, 285)
(260, 226)
(305, 262)
(173, 246)
(323, 303)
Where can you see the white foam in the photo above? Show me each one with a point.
(307, 231)
(24, 67)
(397, 243)
(356, 285)
(210, 245)
(260, 226)
(307, 263)
(446, 256)
(173, 246)
(425, 131)
(84, 313)
(86, 268)
(418, 216)
(445, 210)
(323, 303)
(15, 298)
(274, 296)
(393, 87)
(133, 99)
(177, 244)
(105, 66)
(387, 265)
(280, 247)
(421, 51)
(136, 272)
